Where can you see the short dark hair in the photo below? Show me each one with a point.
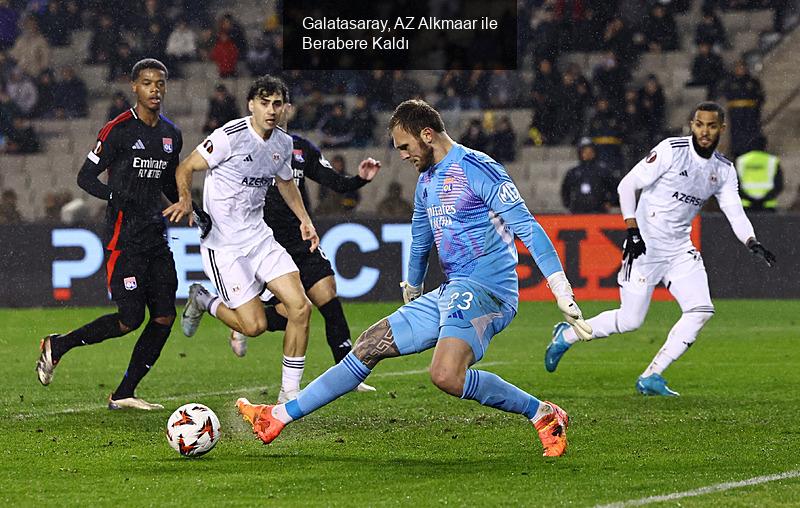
(147, 63)
(414, 115)
(267, 85)
(710, 106)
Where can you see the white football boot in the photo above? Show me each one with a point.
(193, 311)
(238, 343)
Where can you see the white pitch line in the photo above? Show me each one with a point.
(84, 408)
(719, 487)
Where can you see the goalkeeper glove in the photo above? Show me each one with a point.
(562, 290)
(202, 219)
(758, 250)
(632, 248)
(411, 293)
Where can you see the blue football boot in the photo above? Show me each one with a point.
(557, 347)
(654, 384)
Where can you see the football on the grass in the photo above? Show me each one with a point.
(193, 430)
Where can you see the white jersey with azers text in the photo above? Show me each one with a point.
(241, 167)
(676, 182)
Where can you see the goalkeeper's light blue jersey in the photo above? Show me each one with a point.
(469, 206)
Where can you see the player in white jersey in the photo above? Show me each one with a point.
(240, 254)
(675, 180)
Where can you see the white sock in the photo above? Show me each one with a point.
(293, 367)
(570, 336)
(659, 364)
(544, 409)
(280, 413)
(214, 305)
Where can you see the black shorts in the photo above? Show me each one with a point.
(148, 277)
(313, 266)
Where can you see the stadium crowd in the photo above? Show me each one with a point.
(622, 117)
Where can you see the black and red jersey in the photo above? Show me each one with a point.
(307, 162)
(141, 162)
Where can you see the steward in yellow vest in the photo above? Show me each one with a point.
(760, 178)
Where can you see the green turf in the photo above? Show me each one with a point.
(411, 444)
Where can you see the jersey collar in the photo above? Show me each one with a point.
(454, 154)
(249, 121)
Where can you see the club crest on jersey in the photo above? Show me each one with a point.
(130, 283)
(167, 144)
(447, 185)
(208, 145)
(651, 158)
(298, 156)
(508, 193)
(276, 157)
(713, 178)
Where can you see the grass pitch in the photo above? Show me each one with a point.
(409, 444)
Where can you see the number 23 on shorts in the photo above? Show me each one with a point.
(462, 301)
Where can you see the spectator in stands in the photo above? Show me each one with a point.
(8, 112)
(744, 96)
(46, 95)
(544, 120)
(394, 205)
(504, 141)
(547, 79)
(545, 35)
(226, 55)
(606, 131)
(153, 12)
(475, 91)
(610, 78)
(335, 129)
(71, 13)
(652, 104)
(588, 187)
(119, 104)
(53, 202)
(760, 177)
(637, 138)
(31, 50)
(22, 91)
(221, 109)
(502, 89)
(708, 70)
(106, 38)
(584, 36)
(72, 94)
(575, 99)
(7, 66)
(9, 213)
(404, 87)
(121, 63)
(363, 123)
(661, 30)
(475, 137)
(9, 29)
(55, 24)
(206, 40)
(182, 42)
(710, 30)
(22, 139)
(261, 57)
(154, 43)
(618, 38)
(229, 25)
(379, 89)
(332, 203)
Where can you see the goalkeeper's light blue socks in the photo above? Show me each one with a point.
(332, 384)
(493, 391)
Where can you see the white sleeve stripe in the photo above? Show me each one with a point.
(93, 157)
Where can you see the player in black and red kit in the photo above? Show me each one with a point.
(316, 273)
(140, 150)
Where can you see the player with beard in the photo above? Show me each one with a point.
(316, 272)
(675, 180)
(468, 206)
(140, 150)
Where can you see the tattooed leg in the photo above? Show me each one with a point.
(375, 344)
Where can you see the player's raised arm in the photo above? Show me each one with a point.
(492, 183)
(183, 178)
(291, 194)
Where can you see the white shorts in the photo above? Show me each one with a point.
(650, 269)
(240, 275)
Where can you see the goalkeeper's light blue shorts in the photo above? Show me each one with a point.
(458, 309)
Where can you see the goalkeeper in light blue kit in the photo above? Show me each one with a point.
(465, 203)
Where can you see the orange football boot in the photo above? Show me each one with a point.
(552, 429)
(266, 427)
